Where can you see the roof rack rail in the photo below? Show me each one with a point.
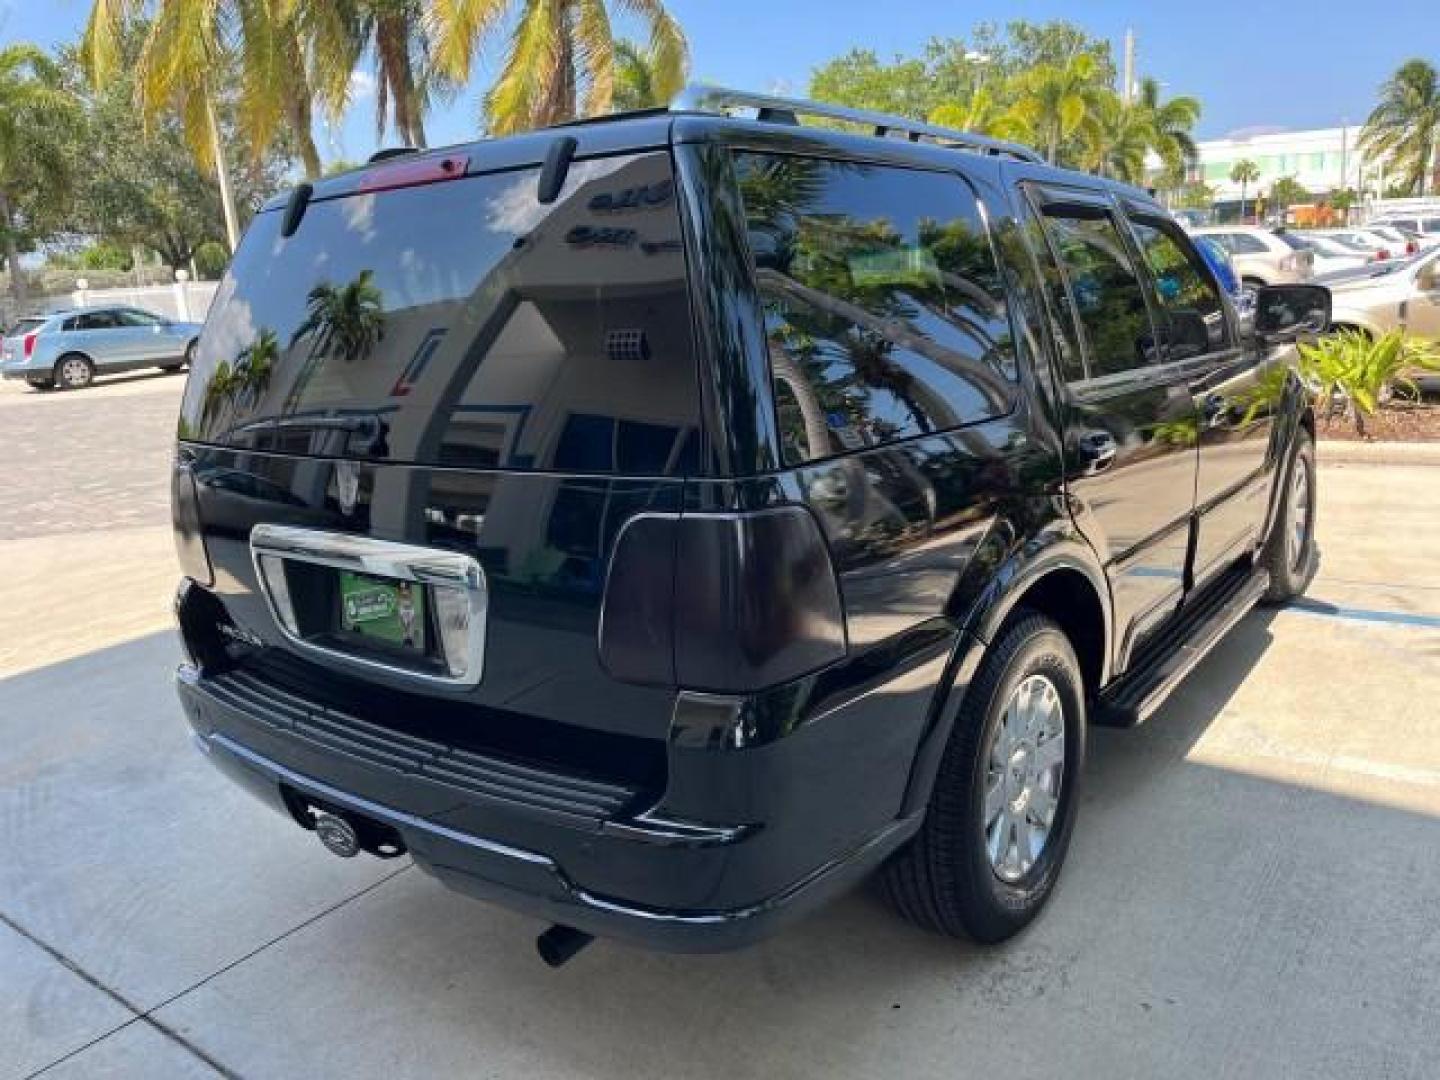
(704, 98)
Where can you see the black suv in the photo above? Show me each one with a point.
(659, 524)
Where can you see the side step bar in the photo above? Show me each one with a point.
(1136, 695)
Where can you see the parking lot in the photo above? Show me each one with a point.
(1252, 891)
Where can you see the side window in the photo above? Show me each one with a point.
(1244, 244)
(885, 312)
(1188, 294)
(1108, 301)
(97, 320)
(131, 317)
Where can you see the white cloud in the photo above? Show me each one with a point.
(362, 84)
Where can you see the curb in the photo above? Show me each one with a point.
(1344, 452)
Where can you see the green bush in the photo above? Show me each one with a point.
(210, 260)
(1352, 372)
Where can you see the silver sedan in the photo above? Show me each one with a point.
(69, 349)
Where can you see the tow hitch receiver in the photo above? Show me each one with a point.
(337, 834)
(346, 834)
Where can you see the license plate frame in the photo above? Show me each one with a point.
(456, 601)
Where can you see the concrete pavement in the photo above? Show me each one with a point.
(1251, 891)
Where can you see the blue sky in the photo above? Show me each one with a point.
(1278, 64)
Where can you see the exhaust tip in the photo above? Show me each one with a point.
(338, 835)
(558, 945)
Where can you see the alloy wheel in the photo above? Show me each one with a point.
(1025, 765)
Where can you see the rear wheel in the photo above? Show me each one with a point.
(999, 821)
(1291, 554)
(189, 356)
(74, 372)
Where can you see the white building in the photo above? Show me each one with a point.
(1322, 160)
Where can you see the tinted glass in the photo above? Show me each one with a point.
(462, 323)
(1430, 226)
(97, 320)
(1189, 296)
(884, 310)
(1107, 298)
(24, 326)
(131, 317)
(1243, 243)
(1299, 243)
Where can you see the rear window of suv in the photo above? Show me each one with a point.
(462, 323)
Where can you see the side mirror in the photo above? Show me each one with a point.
(1286, 312)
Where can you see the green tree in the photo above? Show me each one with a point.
(1287, 191)
(343, 320)
(340, 34)
(1171, 123)
(561, 58)
(1404, 126)
(35, 116)
(639, 83)
(1244, 172)
(1062, 102)
(191, 48)
(139, 186)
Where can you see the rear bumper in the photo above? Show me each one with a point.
(535, 876)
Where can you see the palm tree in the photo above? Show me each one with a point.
(34, 113)
(559, 49)
(341, 33)
(1060, 101)
(343, 320)
(639, 83)
(1245, 172)
(184, 47)
(1117, 140)
(1171, 123)
(984, 114)
(1405, 126)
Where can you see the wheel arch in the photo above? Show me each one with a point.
(1066, 583)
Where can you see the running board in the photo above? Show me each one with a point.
(1139, 692)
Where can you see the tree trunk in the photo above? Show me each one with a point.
(12, 253)
(297, 105)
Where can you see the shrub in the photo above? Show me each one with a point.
(1351, 371)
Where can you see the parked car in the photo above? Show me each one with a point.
(1409, 242)
(1363, 239)
(1332, 254)
(1400, 294)
(70, 348)
(1261, 256)
(667, 565)
(1425, 225)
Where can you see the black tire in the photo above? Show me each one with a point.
(943, 879)
(1292, 568)
(41, 385)
(189, 356)
(81, 371)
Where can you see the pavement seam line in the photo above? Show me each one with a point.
(147, 1015)
(139, 1016)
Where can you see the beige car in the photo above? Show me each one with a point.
(1262, 257)
(1389, 295)
(1403, 295)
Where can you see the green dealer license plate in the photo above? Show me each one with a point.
(383, 609)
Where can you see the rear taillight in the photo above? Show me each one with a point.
(727, 603)
(189, 532)
(1381, 255)
(29, 342)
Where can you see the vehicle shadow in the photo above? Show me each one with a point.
(1205, 920)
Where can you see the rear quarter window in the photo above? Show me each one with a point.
(463, 323)
(885, 313)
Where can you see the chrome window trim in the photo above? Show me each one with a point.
(383, 558)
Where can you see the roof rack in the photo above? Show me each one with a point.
(780, 110)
